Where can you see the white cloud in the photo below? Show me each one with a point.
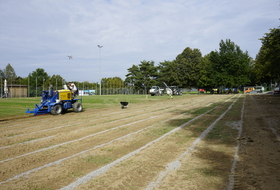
(39, 34)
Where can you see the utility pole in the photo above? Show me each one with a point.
(100, 66)
(70, 57)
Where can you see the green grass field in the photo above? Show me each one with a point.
(16, 107)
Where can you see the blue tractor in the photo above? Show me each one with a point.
(57, 102)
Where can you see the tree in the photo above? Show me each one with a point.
(132, 76)
(9, 73)
(205, 79)
(56, 81)
(142, 76)
(168, 73)
(230, 66)
(261, 68)
(269, 55)
(2, 75)
(148, 74)
(189, 66)
(40, 80)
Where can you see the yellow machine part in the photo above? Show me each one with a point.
(64, 95)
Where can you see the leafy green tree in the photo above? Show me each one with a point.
(269, 56)
(142, 76)
(2, 75)
(189, 67)
(132, 76)
(56, 81)
(148, 73)
(39, 80)
(230, 66)
(112, 85)
(10, 74)
(205, 79)
(19, 80)
(114, 82)
(261, 68)
(168, 73)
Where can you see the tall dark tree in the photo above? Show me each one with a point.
(262, 68)
(132, 76)
(230, 66)
(2, 75)
(168, 73)
(269, 55)
(148, 74)
(189, 66)
(142, 76)
(205, 79)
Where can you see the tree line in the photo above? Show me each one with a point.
(229, 66)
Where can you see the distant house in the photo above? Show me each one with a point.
(17, 90)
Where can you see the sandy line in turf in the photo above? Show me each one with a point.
(77, 139)
(103, 169)
(50, 128)
(57, 162)
(32, 141)
(177, 163)
(58, 127)
(98, 146)
(235, 157)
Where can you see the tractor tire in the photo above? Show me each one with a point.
(77, 107)
(57, 109)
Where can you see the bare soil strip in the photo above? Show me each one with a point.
(259, 154)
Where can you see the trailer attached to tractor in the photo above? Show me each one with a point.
(57, 102)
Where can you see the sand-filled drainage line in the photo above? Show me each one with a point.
(98, 146)
(50, 128)
(58, 127)
(31, 141)
(44, 130)
(77, 139)
(103, 169)
(177, 163)
(235, 157)
(57, 162)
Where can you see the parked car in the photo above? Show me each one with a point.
(276, 90)
(156, 91)
(249, 89)
(259, 89)
(201, 90)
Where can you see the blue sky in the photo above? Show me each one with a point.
(41, 33)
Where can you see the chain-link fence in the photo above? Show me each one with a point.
(36, 91)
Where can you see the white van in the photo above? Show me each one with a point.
(259, 89)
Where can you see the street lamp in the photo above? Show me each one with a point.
(70, 57)
(100, 66)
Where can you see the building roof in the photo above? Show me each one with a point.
(16, 85)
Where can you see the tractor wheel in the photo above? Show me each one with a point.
(77, 107)
(57, 109)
